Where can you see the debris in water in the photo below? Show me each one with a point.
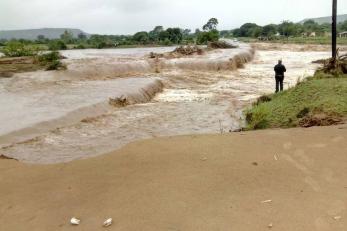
(3, 157)
(108, 222)
(221, 44)
(267, 201)
(275, 157)
(270, 226)
(119, 101)
(335, 66)
(337, 218)
(154, 55)
(188, 50)
(204, 159)
(75, 221)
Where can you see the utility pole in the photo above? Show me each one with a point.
(334, 32)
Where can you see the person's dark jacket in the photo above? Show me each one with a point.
(280, 69)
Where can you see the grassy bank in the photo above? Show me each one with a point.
(319, 100)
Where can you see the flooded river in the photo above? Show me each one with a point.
(50, 117)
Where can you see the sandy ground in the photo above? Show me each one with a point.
(209, 182)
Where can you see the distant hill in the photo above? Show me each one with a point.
(50, 33)
(322, 20)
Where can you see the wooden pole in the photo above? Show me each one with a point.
(334, 31)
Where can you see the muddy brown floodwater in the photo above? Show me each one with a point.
(52, 117)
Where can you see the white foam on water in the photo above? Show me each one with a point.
(183, 95)
(195, 100)
(25, 106)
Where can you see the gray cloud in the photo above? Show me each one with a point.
(129, 16)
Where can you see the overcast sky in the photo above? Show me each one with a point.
(129, 16)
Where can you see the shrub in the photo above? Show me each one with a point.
(208, 36)
(256, 119)
(57, 45)
(80, 46)
(51, 60)
(49, 57)
(55, 65)
(17, 49)
(166, 42)
(101, 45)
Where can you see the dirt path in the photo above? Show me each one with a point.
(209, 182)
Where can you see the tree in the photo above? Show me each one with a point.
(40, 37)
(211, 25)
(67, 37)
(207, 36)
(250, 30)
(154, 34)
(287, 28)
(269, 30)
(175, 35)
(343, 26)
(163, 35)
(57, 45)
(141, 37)
(309, 23)
(186, 32)
(311, 26)
(82, 36)
(237, 32)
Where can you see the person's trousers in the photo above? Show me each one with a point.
(279, 83)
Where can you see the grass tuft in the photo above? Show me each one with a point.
(315, 101)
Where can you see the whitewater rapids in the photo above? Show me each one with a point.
(51, 117)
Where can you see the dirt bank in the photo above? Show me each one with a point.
(292, 179)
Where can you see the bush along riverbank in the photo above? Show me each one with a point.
(33, 62)
(320, 100)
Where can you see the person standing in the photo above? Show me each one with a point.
(279, 70)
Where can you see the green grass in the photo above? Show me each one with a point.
(300, 40)
(314, 96)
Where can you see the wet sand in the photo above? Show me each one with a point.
(208, 182)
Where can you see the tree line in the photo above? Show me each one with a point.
(158, 36)
(285, 29)
(161, 36)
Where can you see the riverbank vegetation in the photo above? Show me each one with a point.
(309, 32)
(285, 30)
(159, 36)
(297, 40)
(317, 101)
(33, 62)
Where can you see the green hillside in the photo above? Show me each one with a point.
(31, 34)
(322, 20)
